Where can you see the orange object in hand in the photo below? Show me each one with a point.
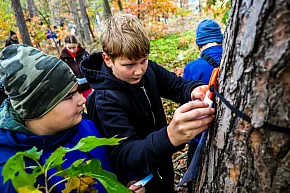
(213, 81)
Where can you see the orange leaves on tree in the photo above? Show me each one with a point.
(152, 14)
(36, 30)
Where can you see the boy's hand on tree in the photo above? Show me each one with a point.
(186, 122)
(199, 92)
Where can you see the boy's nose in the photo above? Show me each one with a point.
(138, 71)
(82, 100)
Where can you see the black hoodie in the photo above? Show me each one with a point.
(136, 112)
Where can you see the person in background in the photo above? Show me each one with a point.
(73, 54)
(13, 39)
(208, 39)
(126, 102)
(46, 116)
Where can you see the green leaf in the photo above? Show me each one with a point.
(84, 145)
(93, 166)
(94, 169)
(14, 169)
(56, 158)
(78, 162)
(91, 142)
(26, 189)
(16, 163)
(111, 185)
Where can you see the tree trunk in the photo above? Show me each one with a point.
(57, 4)
(255, 77)
(31, 8)
(21, 22)
(107, 9)
(120, 5)
(139, 3)
(90, 28)
(52, 12)
(85, 22)
(77, 21)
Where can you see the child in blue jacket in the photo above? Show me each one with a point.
(208, 40)
(43, 110)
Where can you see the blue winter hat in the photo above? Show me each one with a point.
(208, 31)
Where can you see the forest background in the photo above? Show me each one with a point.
(171, 25)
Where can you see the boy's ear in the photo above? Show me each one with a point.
(107, 60)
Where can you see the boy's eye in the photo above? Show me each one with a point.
(144, 61)
(70, 95)
(129, 65)
(71, 48)
(68, 98)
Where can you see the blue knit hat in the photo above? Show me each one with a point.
(208, 31)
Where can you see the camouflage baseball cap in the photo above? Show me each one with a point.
(34, 81)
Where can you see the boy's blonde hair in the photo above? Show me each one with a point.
(124, 36)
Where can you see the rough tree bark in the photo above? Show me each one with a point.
(254, 77)
(21, 22)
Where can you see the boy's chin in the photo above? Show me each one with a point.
(135, 81)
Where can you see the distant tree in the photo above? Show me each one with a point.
(52, 11)
(120, 5)
(21, 22)
(85, 21)
(242, 156)
(74, 9)
(31, 8)
(107, 9)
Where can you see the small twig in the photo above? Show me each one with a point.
(180, 157)
(179, 168)
(59, 182)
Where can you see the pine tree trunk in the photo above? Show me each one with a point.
(21, 22)
(85, 22)
(254, 77)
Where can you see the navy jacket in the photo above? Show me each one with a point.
(12, 141)
(200, 69)
(136, 112)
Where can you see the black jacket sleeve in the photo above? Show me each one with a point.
(171, 86)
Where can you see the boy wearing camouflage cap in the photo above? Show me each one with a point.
(43, 110)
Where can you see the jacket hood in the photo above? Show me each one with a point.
(65, 54)
(99, 76)
(14, 134)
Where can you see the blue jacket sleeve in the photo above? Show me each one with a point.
(7, 187)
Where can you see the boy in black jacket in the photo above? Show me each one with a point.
(126, 102)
